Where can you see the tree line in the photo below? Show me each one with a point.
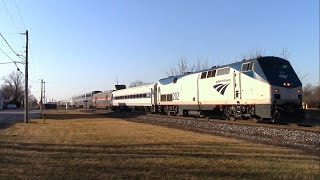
(13, 90)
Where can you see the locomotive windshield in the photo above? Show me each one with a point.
(279, 72)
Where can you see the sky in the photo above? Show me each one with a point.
(78, 46)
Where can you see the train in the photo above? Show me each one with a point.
(260, 88)
(83, 100)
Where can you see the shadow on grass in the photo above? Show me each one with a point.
(179, 160)
(91, 115)
(9, 118)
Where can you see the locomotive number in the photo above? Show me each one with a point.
(175, 96)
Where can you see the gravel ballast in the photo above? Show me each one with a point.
(279, 136)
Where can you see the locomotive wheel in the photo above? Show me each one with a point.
(255, 119)
(231, 118)
(229, 115)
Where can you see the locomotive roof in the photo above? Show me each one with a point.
(226, 65)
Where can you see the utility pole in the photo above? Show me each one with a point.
(26, 99)
(44, 92)
(41, 98)
(41, 101)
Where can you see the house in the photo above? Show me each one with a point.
(1, 100)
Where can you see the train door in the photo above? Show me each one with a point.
(158, 95)
(154, 98)
(237, 85)
(151, 96)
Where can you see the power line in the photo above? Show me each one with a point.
(20, 15)
(11, 47)
(8, 33)
(15, 63)
(10, 15)
(11, 52)
(7, 62)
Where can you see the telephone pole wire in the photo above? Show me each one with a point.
(26, 99)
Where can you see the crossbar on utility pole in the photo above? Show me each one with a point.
(26, 99)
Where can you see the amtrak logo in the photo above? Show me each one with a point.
(221, 88)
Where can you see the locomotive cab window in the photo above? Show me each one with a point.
(211, 74)
(203, 75)
(247, 66)
(175, 80)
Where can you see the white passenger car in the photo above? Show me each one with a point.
(141, 97)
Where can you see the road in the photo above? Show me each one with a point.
(9, 117)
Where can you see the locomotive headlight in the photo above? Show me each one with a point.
(288, 84)
(284, 84)
(276, 90)
(299, 90)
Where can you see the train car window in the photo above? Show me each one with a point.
(144, 95)
(203, 75)
(169, 97)
(175, 80)
(163, 98)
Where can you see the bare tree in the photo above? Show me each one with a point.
(285, 54)
(254, 53)
(13, 87)
(311, 94)
(183, 66)
(200, 64)
(137, 83)
(33, 101)
(180, 68)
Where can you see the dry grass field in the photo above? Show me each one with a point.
(76, 145)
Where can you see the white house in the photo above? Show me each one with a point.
(1, 100)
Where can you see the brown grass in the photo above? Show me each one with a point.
(77, 145)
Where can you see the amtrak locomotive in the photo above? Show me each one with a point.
(259, 88)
